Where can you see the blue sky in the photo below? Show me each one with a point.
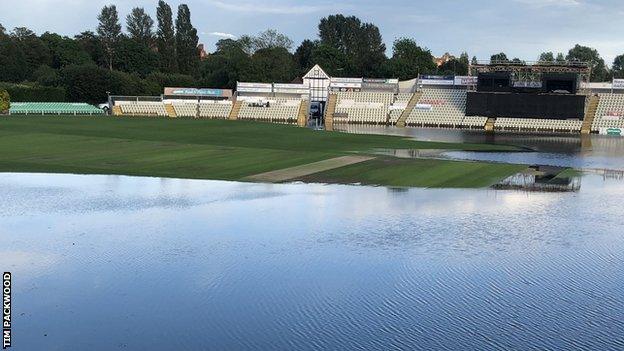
(521, 28)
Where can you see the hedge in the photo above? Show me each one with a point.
(33, 93)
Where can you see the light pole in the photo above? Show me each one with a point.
(110, 106)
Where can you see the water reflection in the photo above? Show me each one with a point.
(563, 150)
(188, 265)
(542, 179)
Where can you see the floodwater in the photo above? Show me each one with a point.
(563, 150)
(127, 263)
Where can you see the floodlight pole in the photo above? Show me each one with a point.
(110, 107)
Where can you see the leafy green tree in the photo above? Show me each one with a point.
(586, 54)
(47, 76)
(134, 57)
(454, 67)
(165, 38)
(463, 58)
(109, 31)
(163, 80)
(91, 44)
(227, 65)
(65, 51)
(409, 60)
(547, 57)
(186, 41)
(360, 44)
(474, 61)
(268, 39)
(5, 101)
(500, 57)
(13, 64)
(330, 58)
(617, 68)
(36, 51)
(303, 56)
(560, 57)
(273, 65)
(140, 26)
(86, 83)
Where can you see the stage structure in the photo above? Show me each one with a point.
(534, 90)
(529, 73)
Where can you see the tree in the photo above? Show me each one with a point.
(88, 83)
(186, 41)
(474, 61)
(229, 64)
(13, 65)
(330, 58)
(109, 31)
(274, 64)
(547, 57)
(135, 57)
(270, 39)
(500, 57)
(46, 76)
(463, 58)
(360, 43)
(91, 44)
(35, 50)
(409, 60)
(618, 67)
(140, 26)
(454, 67)
(65, 51)
(560, 57)
(303, 56)
(165, 38)
(586, 54)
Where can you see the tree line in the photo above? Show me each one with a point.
(151, 54)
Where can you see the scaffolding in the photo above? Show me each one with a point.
(530, 72)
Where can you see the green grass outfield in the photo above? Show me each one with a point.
(219, 149)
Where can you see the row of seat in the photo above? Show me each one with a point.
(53, 108)
(275, 110)
(363, 107)
(439, 107)
(534, 124)
(143, 109)
(610, 112)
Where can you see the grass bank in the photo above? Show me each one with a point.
(213, 149)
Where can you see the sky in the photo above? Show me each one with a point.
(520, 28)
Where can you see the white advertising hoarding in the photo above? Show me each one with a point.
(618, 83)
(254, 87)
(465, 80)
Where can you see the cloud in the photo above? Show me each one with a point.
(221, 35)
(275, 9)
(548, 3)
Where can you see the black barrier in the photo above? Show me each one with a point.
(519, 105)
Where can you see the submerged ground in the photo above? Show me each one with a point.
(227, 150)
(137, 263)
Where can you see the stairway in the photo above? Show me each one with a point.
(489, 124)
(408, 109)
(329, 111)
(170, 111)
(590, 114)
(235, 110)
(302, 117)
(117, 110)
